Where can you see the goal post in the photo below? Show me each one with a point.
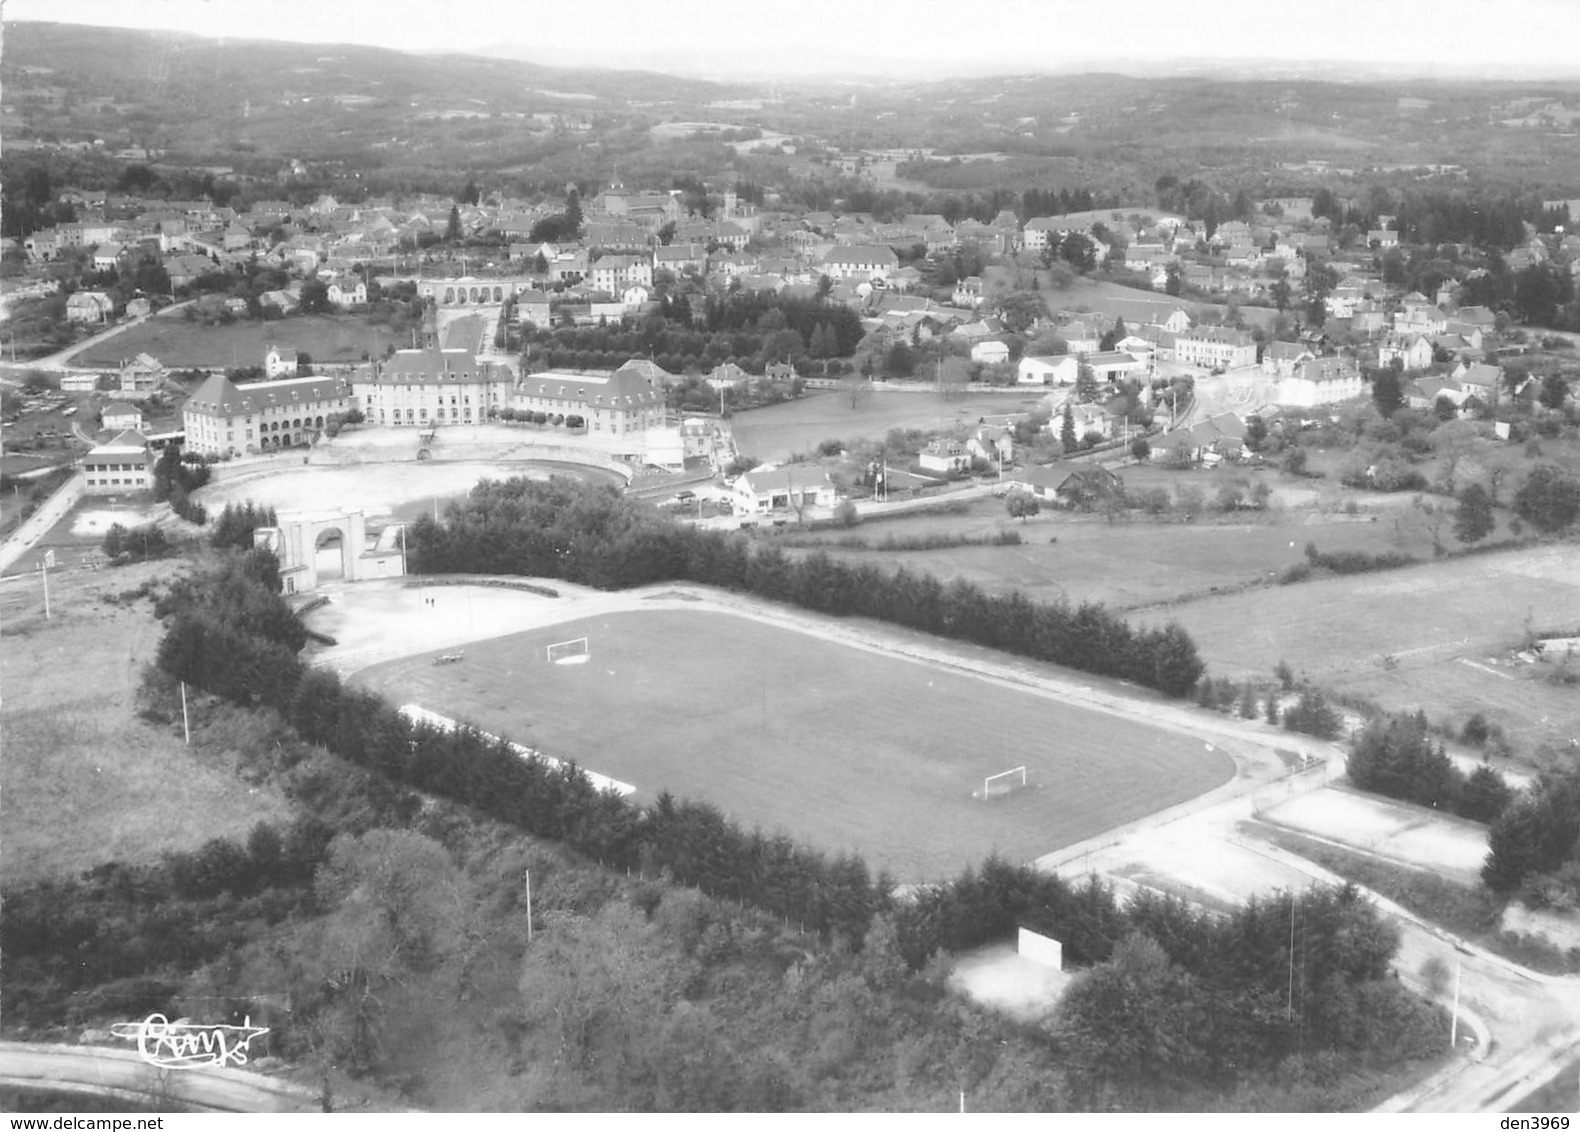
(1003, 782)
(568, 652)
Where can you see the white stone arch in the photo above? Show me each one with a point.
(295, 543)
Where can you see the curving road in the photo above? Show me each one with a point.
(123, 1075)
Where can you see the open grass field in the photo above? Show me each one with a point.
(84, 780)
(1434, 637)
(1127, 564)
(778, 431)
(837, 747)
(179, 343)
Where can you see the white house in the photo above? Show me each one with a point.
(348, 292)
(1058, 370)
(990, 352)
(776, 489)
(1219, 347)
(1320, 381)
(945, 456)
(118, 466)
(1414, 351)
(89, 306)
(992, 443)
(279, 362)
(119, 417)
(860, 263)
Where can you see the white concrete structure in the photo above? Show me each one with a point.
(296, 543)
(1040, 949)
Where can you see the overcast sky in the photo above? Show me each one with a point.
(1524, 38)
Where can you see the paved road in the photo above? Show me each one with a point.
(61, 360)
(123, 1075)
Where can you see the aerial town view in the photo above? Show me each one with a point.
(914, 559)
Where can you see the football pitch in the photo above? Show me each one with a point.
(835, 746)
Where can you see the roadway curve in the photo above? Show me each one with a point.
(123, 1075)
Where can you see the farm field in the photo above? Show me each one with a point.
(84, 780)
(1436, 637)
(836, 747)
(179, 343)
(1126, 564)
(778, 431)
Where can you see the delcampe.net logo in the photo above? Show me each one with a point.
(187, 1045)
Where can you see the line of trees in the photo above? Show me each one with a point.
(1533, 841)
(563, 528)
(1395, 755)
(235, 526)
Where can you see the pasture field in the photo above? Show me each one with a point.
(84, 780)
(1126, 564)
(778, 431)
(326, 338)
(837, 747)
(1434, 637)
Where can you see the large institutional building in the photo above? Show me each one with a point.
(429, 387)
(613, 404)
(226, 419)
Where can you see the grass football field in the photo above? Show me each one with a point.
(837, 747)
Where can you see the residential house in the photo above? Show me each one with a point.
(1060, 369)
(280, 362)
(1041, 480)
(141, 377)
(1320, 381)
(1382, 238)
(350, 291)
(860, 263)
(992, 443)
(1425, 392)
(118, 416)
(1216, 347)
(990, 351)
(1281, 358)
(89, 307)
(614, 273)
(279, 302)
(794, 486)
(1087, 417)
(1082, 336)
(650, 371)
(1414, 351)
(945, 456)
(681, 258)
(1480, 380)
(118, 466)
(1087, 488)
(1217, 438)
(727, 375)
(968, 292)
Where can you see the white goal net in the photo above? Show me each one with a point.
(568, 652)
(1002, 783)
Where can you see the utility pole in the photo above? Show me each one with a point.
(529, 905)
(43, 569)
(1453, 1027)
(186, 723)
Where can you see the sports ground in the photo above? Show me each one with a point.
(838, 747)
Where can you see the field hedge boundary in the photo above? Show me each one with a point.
(562, 528)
